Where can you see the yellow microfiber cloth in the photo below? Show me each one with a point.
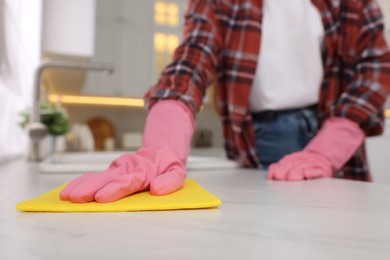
(191, 196)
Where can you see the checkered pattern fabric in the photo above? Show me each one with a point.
(222, 39)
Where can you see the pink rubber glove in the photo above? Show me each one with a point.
(159, 165)
(326, 153)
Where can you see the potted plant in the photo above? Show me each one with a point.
(54, 117)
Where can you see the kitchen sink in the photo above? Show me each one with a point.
(81, 162)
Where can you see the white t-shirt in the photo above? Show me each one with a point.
(289, 70)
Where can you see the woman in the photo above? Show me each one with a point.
(300, 83)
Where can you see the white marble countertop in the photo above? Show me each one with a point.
(258, 219)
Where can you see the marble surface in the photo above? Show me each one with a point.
(258, 219)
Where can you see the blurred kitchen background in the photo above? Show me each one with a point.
(105, 110)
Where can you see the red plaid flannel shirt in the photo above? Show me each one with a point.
(222, 38)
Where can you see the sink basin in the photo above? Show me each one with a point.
(80, 162)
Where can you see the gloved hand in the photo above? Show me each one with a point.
(326, 153)
(159, 165)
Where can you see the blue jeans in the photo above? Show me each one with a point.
(279, 133)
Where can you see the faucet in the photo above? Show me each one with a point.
(37, 130)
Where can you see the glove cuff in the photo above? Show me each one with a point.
(337, 140)
(170, 123)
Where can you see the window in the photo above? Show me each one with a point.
(166, 13)
(167, 31)
(164, 46)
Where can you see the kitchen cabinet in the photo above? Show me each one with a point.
(68, 27)
(125, 37)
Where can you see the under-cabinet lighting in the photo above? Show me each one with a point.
(111, 101)
(103, 101)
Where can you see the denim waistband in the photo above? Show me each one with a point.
(269, 115)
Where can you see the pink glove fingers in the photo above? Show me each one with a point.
(168, 182)
(120, 187)
(319, 168)
(299, 166)
(64, 194)
(85, 191)
(313, 173)
(306, 171)
(281, 169)
(278, 172)
(295, 174)
(115, 183)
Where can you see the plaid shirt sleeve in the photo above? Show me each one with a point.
(366, 73)
(194, 62)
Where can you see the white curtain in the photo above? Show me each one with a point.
(20, 50)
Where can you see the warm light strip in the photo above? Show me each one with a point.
(112, 101)
(104, 101)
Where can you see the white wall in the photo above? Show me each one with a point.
(377, 147)
(385, 4)
(20, 44)
(378, 156)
